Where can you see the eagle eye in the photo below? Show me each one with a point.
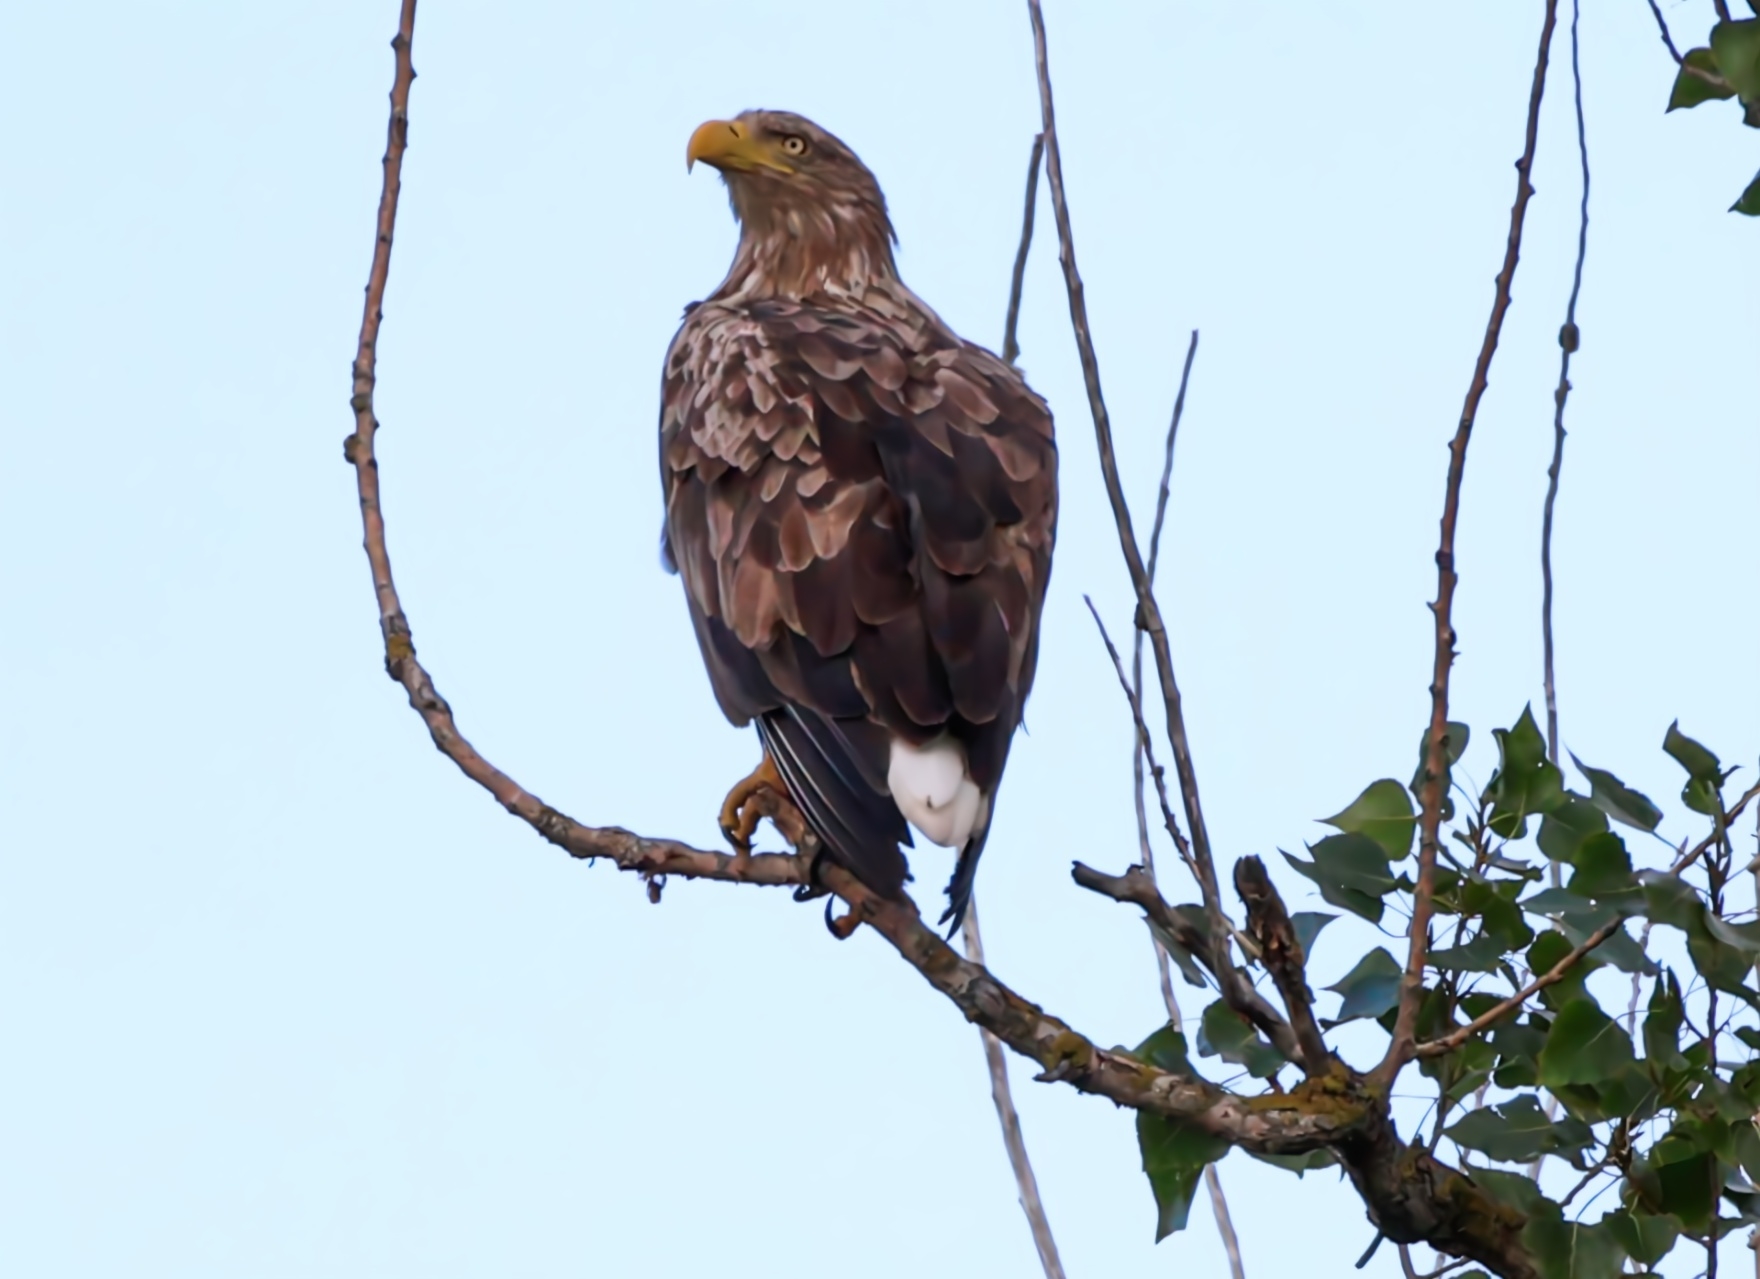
(793, 144)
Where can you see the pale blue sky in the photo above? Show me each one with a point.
(284, 995)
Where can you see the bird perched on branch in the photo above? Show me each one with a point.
(861, 505)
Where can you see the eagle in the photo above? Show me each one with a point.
(861, 507)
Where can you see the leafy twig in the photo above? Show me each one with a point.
(1435, 758)
(1455, 1038)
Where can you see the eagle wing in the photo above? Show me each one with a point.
(862, 509)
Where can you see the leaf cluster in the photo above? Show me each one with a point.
(1726, 66)
(1646, 1041)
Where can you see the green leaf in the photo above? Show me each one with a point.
(1188, 967)
(1299, 1164)
(1518, 1046)
(1618, 800)
(1570, 1249)
(1691, 88)
(1517, 1131)
(1370, 988)
(1548, 949)
(1585, 1046)
(1742, 937)
(1510, 1188)
(1618, 948)
(1384, 813)
(1670, 900)
(1165, 1050)
(1174, 1158)
(1481, 955)
(1563, 830)
(1225, 1033)
(1748, 203)
(1689, 1183)
(1354, 861)
(1454, 745)
(1351, 873)
(1629, 1094)
(1604, 873)
(1722, 952)
(1526, 782)
(1174, 1154)
(1736, 48)
(1703, 792)
(1645, 1237)
(1307, 925)
(1692, 756)
(1494, 901)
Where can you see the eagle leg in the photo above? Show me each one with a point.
(754, 797)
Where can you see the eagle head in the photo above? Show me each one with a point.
(812, 216)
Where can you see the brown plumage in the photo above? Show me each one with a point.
(861, 505)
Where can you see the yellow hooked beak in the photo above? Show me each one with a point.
(728, 144)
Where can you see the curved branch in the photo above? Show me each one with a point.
(1435, 756)
(1288, 1124)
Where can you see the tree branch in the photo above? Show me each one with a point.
(1435, 758)
(1280, 950)
(1455, 1038)
(1662, 27)
(1135, 888)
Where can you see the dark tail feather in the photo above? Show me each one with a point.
(862, 827)
(959, 888)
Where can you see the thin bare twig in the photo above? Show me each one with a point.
(1231, 1243)
(1569, 339)
(1011, 347)
(1010, 1119)
(1435, 757)
(1145, 849)
(1148, 611)
(1145, 743)
(1662, 26)
(1000, 1091)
